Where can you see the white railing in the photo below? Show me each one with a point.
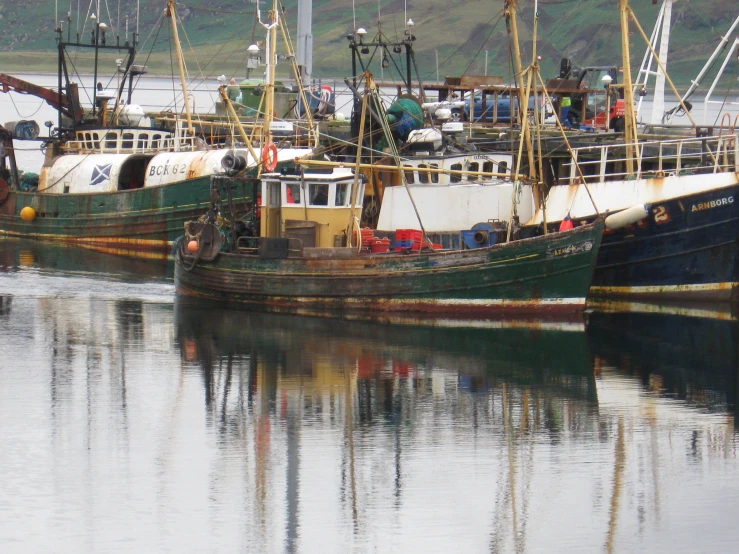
(121, 145)
(655, 159)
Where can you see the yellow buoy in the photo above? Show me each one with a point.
(28, 214)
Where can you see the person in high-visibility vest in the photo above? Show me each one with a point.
(564, 109)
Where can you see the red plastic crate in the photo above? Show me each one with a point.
(404, 235)
(380, 245)
(408, 235)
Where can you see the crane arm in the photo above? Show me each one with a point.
(69, 107)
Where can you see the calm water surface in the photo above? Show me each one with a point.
(131, 422)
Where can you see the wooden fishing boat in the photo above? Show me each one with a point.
(541, 275)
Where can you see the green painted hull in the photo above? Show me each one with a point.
(546, 274)
(143, 220)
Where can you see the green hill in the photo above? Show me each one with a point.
(462, 34)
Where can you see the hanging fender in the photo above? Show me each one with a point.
(269, 156)
(626, 217)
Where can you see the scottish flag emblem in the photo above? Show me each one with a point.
(100, 174)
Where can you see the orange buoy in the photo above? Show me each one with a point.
(28, 214)
(193, 246)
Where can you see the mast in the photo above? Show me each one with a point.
(305, 40)
(269, 88)
(510, 12)
(629, 117)
(171, 14)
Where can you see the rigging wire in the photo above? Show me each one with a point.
(212, 10)
(26, 116)
(728, 92)
(459, 49)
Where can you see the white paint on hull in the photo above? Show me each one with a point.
(620, 195)
(452, 207)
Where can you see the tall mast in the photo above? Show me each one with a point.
(173, 19)
(510, 11)
(629, 117)
(305, 40)
(269, 92)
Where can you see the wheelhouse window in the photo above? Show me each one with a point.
(143, 142)
(487, 167)
(455, 177)
(474, 167)
(503, 167)
(292, 193)
(341, 190)
(273, 198)
(434, 174)
(423, 175)
(318, 194)
(111, 140)
(127, 141)
(409, 174)
(155, 140)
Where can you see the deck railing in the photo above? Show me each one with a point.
(654, 159)
(167, 143)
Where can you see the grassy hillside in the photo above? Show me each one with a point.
(216, 33)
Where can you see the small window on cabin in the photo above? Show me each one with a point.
(409, 175)
(455, 177)
(423, 175)
(487, 167)
(155, 141)
(96, 140)
(434, 174)
(88, 141)
(503, 167)
(143, 142)
(473, 167)
(273, 199)
(127, 141)
(319, 194)
(111, 140)
(341, 189)
(292, 194)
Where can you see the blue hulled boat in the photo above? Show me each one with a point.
(674, 224)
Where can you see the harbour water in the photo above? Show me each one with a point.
(132, 421)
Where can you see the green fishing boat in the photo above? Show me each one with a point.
(291, 265)
(115, 178)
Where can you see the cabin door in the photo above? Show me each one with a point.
(274, 214)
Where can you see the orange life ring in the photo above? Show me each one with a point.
(269, 156)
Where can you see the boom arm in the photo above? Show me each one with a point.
(69, 107)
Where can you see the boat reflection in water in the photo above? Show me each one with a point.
(396, 435)
(686, 352)
(61, 260)
(667, 381)
(453, 431)
(130, 423)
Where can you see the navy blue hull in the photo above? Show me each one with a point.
(684, 248)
